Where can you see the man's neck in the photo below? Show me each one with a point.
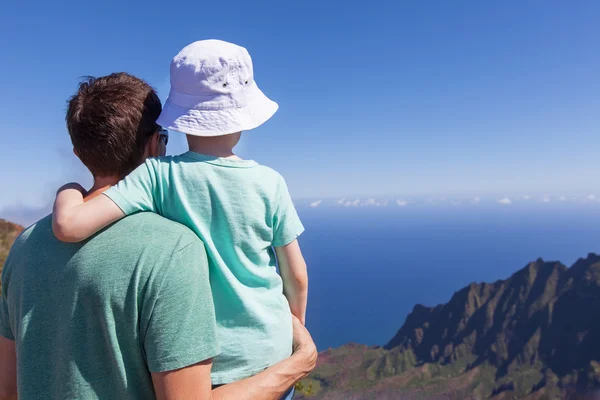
(101, 183)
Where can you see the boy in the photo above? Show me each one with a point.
(240, 209)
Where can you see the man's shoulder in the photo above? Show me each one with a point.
(149, 227)
(29, 244)
(143, 240)
(144, 227)
(41, 227)
(44, 225)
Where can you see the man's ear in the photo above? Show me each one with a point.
(75, 152)
(152, 147)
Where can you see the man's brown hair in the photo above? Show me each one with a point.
(110, 120)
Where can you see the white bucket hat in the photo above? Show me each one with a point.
(213, 92)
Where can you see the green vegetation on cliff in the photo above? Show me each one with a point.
(8, 234)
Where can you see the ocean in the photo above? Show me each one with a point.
(369, 266)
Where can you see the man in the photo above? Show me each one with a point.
(127, 314)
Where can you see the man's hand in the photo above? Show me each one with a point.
(304, 347)
(194, 381)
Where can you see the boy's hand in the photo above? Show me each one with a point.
(74, 186)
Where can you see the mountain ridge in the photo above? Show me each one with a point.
(535, 334)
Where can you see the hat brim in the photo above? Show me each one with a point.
(201, 122)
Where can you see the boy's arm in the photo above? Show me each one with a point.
(295, 278)
(286, 229)
(74, 220)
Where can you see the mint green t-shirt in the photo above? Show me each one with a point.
(240, 210)
(91, 320)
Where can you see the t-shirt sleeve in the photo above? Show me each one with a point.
(138, 191)
(5, 327)
(180, 317)
(286, 223)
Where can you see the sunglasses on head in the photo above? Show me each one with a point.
(163, 135)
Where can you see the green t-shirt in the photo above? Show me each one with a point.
(240, 210)
(92, 320)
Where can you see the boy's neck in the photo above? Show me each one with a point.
(217, 146)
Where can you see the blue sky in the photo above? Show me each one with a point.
(395, 98)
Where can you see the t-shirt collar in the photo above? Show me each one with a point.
(225, 162)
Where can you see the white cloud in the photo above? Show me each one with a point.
(562, 198)
(526, 197)
(369, 202)
(477, 199)
(505, 201)
(402, 203)
(546, 200)
(316, 204)
(592, 197)
(354, 203)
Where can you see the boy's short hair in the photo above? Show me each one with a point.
(110, 120)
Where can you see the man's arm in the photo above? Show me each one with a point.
(295, 277)
(188, 383)
(8, 369)
(193, 382)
